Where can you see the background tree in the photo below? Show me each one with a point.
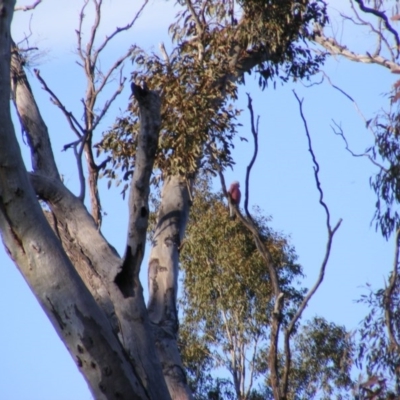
(92, 296)
(223, 268)
(227, 305)
(379, 346)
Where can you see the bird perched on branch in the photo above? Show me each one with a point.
(234, 194)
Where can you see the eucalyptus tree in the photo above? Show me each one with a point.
(379, 349)
(91, 294)
(227, 305)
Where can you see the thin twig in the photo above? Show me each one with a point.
(117, 31)
(79, 30)
(73, 122)
(108, 103)
(339, 131)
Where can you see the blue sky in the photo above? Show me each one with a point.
(35, 364)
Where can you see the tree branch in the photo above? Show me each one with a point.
(30, 118)
(117, 31)
(28, 7)
(76, 127)
(33, 246)
(385, 20)
(333, 47)
(147, 143)
(331, 232)
(254, 132)
(339, 131)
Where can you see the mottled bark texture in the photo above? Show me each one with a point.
(32, 245)
(92, 296)
(163, 281)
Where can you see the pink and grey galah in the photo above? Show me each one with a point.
(234, 194)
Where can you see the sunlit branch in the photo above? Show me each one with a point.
(90, 43)
(333, 47)
(28, 7)
(199, 28)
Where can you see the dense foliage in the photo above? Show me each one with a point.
(226, 309)
(214, 46)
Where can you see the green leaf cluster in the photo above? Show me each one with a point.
(323, 355)
(199, 78)
(226, 310)
(226, 304)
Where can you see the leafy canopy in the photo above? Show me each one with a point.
(214, 45)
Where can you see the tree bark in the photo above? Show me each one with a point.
(32, 245)
(31, 120)
(87, 321)
(163, 281)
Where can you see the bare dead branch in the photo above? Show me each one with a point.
(367, 124)
(79, 30)
(96, 81)
(72, 121)
(76, 128)
(254, 132)
(108, 103)
(117, 31)
(339, 131)
(331, 232)
(28, 7)
(377, 31)
(90, 43)
(104, 81)
(316, 165)
(165, 54)
(150, 122)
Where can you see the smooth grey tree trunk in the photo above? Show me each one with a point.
(96, 308)
(163, 281)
